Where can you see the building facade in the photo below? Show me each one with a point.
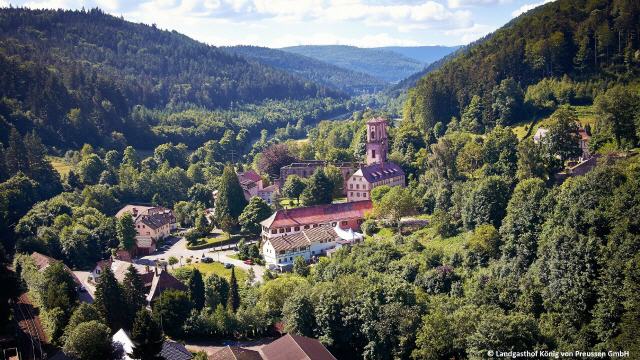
(305, 169)
(280, 251)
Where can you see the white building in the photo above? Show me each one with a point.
(280, 252)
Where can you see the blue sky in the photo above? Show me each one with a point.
(278, 23)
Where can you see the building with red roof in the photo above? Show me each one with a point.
(347, 215)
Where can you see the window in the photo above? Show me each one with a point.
(334, 224)
(297, 228)
(274, 231)
(357, 186)
(281, 252)
(351, 186)
(358, 194)
(306, 226)
(344, 223)
(281, 230)
(373, 153)
(288, 229)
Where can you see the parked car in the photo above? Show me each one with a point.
(248, 262)
(228, 266)
(207, 260)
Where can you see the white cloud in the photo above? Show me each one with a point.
(526, 7)
(473, 33)
(454, 4)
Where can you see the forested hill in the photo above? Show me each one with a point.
(323, 73)
(383, 64)
(79, 74)
(592, 41)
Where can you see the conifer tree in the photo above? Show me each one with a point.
(233, 299)
(230, 201)
(16, 154)
(109, 301)
(133, 292)
(126, 231)
(319, 189)
(40, 168)
(4, 174)
(196, 289)
(146, 337)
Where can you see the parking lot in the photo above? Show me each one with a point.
(177, 248)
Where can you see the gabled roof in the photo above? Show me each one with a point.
(378, 172)
(163, 282)
(293, 347)
(172, 350)
(376, 120)
(304, 238)
(235, 353)
(42, 261)
(318, 214)
(249, 176)
(152, 216)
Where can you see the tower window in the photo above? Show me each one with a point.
(373, 154)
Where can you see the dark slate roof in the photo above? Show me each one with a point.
(174, 351)
(235, 353)
(304, 238)
(293, 347)
(378, 172)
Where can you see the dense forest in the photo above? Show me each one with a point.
(79, 76)
(516, 253)
(383, 64)
(586, 40)
(326, 74)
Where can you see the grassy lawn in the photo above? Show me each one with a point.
(59, 165)
(586, 116)
(289, 203)
(448, 246)
(218, 269)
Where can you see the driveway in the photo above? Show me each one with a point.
(89, 295)
(179, 250)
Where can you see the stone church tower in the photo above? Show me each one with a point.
(377, 142)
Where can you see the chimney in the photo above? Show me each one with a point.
(156, 269)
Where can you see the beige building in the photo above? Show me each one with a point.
(152, 224)
(378, 170)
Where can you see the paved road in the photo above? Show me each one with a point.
(220, 253)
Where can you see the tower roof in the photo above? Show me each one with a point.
(376, 120)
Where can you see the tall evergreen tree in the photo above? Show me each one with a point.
(319, 189)
(126, 230)
(196, 289)
(233, 299)
(16, 154)
(109, 300)
(4, 174)
(133, 292)
(40, 168)
(146, 336)
(230, 201)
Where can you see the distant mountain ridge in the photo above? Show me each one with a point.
(387, 65)
(320, 72)
(425, 54)
(84, 76)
